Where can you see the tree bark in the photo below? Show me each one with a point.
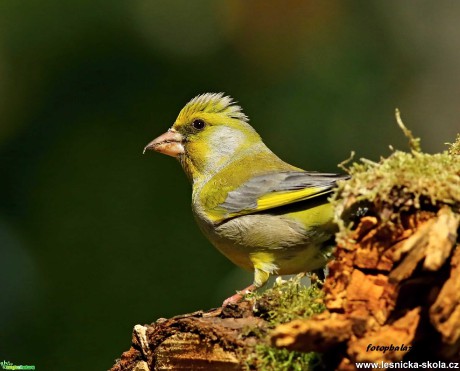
(393, 294)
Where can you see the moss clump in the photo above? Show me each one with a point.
(435, 178)
(399, 183)
(285, 301)
(289, 300)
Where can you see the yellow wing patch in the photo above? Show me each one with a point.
(270, 201)
(275, 199)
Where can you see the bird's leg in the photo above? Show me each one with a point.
(234, 299)
(260, 279)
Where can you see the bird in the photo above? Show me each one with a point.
(263, 214)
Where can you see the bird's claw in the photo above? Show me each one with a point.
(234, 299)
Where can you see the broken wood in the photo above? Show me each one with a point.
(388, 299)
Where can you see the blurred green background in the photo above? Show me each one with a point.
(95, 237)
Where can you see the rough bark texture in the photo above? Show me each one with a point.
(392, 285)
(201, 340)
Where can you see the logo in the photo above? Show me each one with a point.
(9, 366)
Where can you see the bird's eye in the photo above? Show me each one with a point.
(198, 124)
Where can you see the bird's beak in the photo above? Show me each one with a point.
(169, 143)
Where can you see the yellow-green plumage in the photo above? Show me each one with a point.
(263, 214)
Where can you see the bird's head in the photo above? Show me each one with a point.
(208, 133)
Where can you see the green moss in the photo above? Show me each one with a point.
(404, 181)
(285, 301)
(289, 300)
(401, 182)
(435, 177)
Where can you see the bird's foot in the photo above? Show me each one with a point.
(235, 299)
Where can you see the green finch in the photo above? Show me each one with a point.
(262, 213)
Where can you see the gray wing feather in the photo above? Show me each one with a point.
(245, 197)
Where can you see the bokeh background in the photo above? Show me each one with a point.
(95, 237)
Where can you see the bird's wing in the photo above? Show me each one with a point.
(273, 190)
